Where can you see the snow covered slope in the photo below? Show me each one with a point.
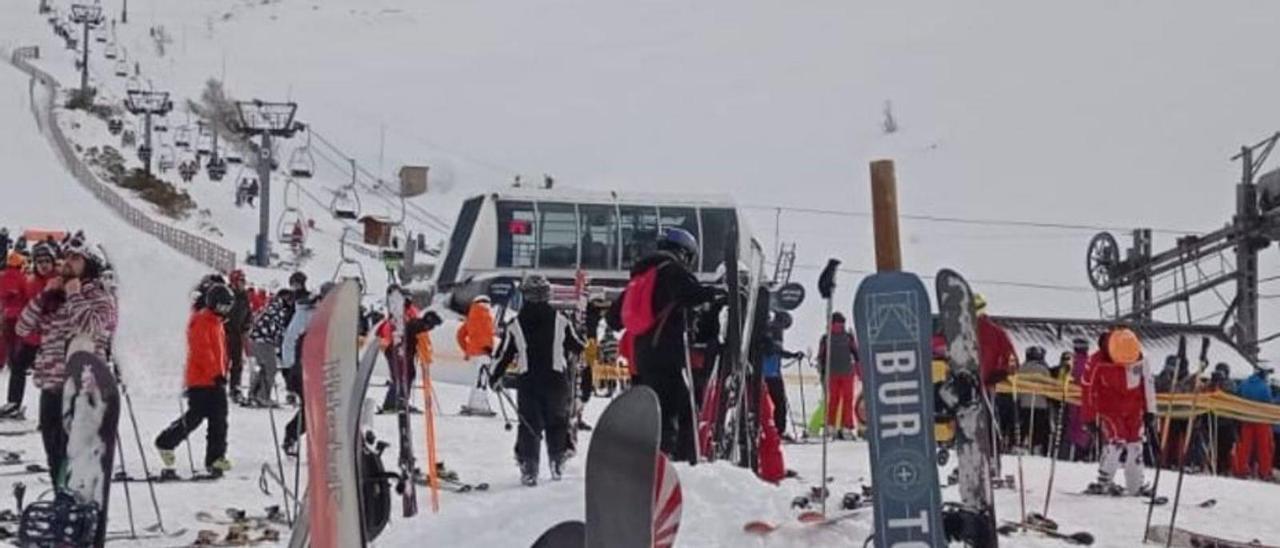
(1084, 113)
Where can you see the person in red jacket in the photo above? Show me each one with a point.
(996, 359)
(22, 350)
(1119, 392)
(206, 383)
(390, 401)
(13, 282)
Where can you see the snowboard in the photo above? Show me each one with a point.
(1186, 538)
(407, 488)
(634, 498)
(963, 392)
(329, 374)
(892, 315)
(90, 415)
(566, 534)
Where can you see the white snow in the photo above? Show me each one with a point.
(1085, 113)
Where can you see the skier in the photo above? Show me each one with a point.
(391, 401)
(206, 381)
(657, 325)
(290, 362)
(73, 303)
(1255, 434)
(844, 365)
(771, 369)
(539, 342)
(237, 327)
(1034, 409)
(1119, 392)
(13, 282)
(22, 349)
(266, 336)
(475, 335)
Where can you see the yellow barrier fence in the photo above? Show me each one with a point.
(1178, 406)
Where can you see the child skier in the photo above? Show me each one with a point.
(206, 382)
(1118, 392)
(539, 342)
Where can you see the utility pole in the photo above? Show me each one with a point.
(124, 12)
(265, 120)
(1246, 328)
(88, 16)
(147, 103)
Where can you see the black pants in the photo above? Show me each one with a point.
(543, 404)
(203, 403)
(52, 432)
(778, 393)
(20, 359)
(391, 400)
(673, 396)
(235, 354)
(297, 426)
(1035, 430)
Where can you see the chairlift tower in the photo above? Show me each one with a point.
(88, 16)
(266, 120)
(147, 104)
(1198, 264)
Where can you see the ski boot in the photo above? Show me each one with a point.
(167, 458)
(529, 474)
(557, 469)
(290, 448)
(1104, 488)
(168, 474)
(219, 467)
(236, 397)
(12, 411)
(852, 501)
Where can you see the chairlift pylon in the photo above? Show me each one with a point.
(346, 200)
(302, 164)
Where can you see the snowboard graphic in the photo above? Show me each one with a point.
(963, 392)
(633, 494)
(90, 414)
(329, 375)
(891, 312)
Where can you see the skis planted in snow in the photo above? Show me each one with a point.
(405, 486)
(1082, 538)
(1186, 538)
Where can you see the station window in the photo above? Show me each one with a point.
(599, 236)
(716, 226)
(679, 217)
(517, 240)
(558, 240)
(639, 232)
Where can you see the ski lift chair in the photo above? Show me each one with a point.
(182, 137)
(349, 268)
(100, 37)
(111, 51)
(217, 169)
(160, 124)
(204, 143)
(345, 204)
(165, 161)
(291, 228)
(115, 125)
(302, 164)
(233, 156)
(134, 84)
(121, 69)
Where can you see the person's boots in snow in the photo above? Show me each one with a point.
(167, 458)
(219, 467)
(557, 468)
(11, 411)
(529, 474)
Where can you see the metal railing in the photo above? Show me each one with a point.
(196, 247)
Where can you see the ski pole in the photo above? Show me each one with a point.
(1164, 440)
(826, 287)
(128, 498)
(1017, 439)
(1186, 440)
(693, 408)
(275, 439)
(428, 415)
(1057, 440)
(137, 438)
(505, 395)
(804, 411)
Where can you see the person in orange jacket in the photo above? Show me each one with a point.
(206, 381)
(475, 335)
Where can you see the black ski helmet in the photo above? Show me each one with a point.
(536, 288)
(1035, 353)
(298, 279)
(680, 242)
(218, 298)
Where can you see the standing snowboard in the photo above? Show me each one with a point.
(333, 445)
(891, 312)
(90, 414)
(963, 392)
(633, 494)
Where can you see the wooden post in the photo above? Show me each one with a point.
(884, 213)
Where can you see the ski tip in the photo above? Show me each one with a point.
(759, 527)
(811, 516)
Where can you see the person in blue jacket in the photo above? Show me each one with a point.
(1255, 435)
(771, 370)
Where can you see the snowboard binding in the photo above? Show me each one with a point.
(63, 521)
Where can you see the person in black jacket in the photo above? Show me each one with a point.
(237, 329)
(539, 342)
(660, 353)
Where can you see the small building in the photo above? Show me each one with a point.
(377, 230)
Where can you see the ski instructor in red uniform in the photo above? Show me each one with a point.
(1118, 391)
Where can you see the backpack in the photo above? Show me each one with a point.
(638, 317)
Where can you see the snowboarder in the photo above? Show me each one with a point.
(1119, 392)
(205, 382)
(71, 304)
(844, 364)
(22, 349)
(540, 343)
(237, 327)
(1255, 434)
(662, 289)
(391, 402)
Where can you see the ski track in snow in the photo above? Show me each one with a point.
(718, 498)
